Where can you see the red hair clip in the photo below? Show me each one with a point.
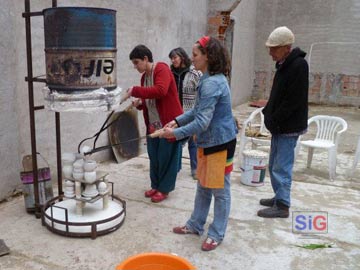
(203, 41)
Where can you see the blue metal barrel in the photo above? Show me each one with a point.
(80, 48)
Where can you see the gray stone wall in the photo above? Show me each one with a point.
(329, 31)
(161, 25)
(243, 51)
(9, 131)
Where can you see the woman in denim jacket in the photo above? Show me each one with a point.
(212, 122)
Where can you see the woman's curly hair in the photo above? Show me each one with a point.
(218, 57)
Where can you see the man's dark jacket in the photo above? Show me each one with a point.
(287, 108)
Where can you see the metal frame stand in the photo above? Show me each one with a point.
(32, 108)
(114, 219)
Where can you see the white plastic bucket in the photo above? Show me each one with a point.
(253, 168)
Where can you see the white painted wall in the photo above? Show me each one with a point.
(243, 52)
(160, 24)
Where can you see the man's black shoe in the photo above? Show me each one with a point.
(274, 212)
(267, 202)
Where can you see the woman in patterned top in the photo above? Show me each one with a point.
(187, 79)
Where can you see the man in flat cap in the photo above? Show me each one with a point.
(286, 115)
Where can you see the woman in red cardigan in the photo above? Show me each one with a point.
(158, 99)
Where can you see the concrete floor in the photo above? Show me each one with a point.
(250, 243)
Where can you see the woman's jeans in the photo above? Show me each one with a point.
(221, 210)
(192, 152)
(281, 163)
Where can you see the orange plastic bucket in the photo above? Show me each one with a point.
(155, 261)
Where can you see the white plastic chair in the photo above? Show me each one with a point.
(329, 130)
(255, 120)
(356, 159)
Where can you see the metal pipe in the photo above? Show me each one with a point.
(155, 134)
(32, 14)
(58, 152)
(36, 79)
(36, 108)
(58, 140)
(31, 108)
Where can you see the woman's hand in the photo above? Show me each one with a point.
(168, 130)
(167, 133)
(171, 124)
(136, 102)
(128, 93)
